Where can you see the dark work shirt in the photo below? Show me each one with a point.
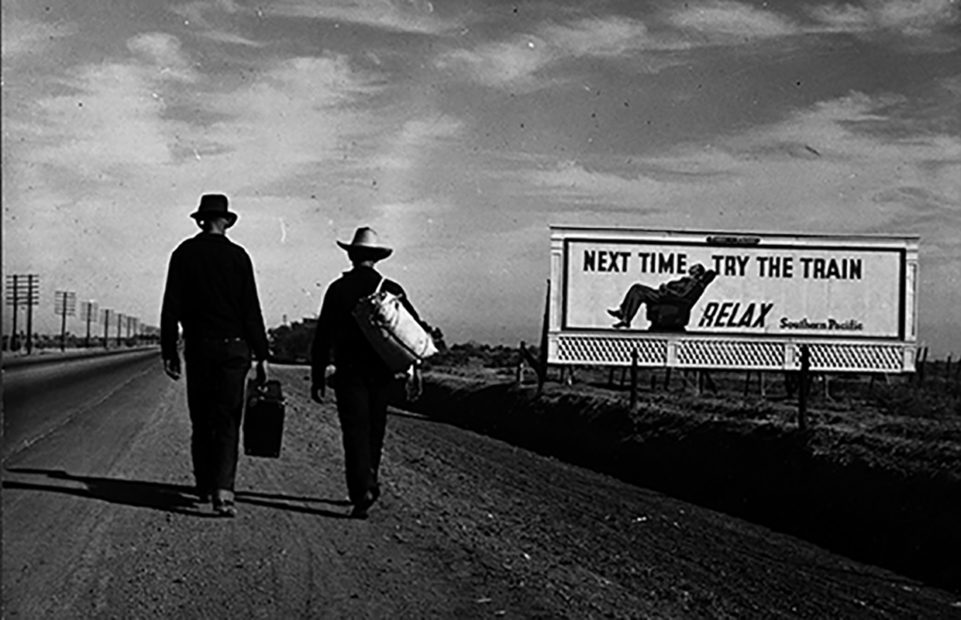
(338, 339)
(686, 289)
(211, 292)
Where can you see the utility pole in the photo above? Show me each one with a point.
(129, 326)
(88, 309)
(33, 299)
(64, 304)
(13, 299)
(23, 290)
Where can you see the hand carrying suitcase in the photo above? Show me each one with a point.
(263, 419)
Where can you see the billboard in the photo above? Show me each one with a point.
(749, 287)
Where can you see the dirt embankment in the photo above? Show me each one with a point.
(882, 500)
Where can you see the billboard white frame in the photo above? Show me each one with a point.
(580, 341)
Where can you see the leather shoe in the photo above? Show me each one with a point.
(360, 509)
(616, 313)
(224, 503)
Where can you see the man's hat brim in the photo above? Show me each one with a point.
(230, 216)
(374, 251)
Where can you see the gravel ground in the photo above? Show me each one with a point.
(97, 523)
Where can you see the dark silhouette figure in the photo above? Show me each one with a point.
(211, 292)
(669, 305)
(362, 381)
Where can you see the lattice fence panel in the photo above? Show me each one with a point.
(610, 351)
(725, 354)
(869, 358)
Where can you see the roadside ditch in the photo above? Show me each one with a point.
(821, 486)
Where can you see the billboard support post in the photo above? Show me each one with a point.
(542, 354)
(804, 382)
(634, 358)
(922, 361)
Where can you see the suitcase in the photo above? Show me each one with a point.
(263, 419)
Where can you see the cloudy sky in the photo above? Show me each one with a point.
(460, 130)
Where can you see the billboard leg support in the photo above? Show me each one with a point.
(803, 384)
(633, 379)
(542, 366)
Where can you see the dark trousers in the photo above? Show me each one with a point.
(362, 410)
(216, 370)
(636, 295)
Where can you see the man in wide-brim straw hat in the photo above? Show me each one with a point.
(212, 294)
(362, 380)
(365, 245)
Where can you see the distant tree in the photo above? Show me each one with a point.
(291, 343)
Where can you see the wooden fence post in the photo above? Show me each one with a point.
(922, 360)
(957, 376)
(519, 378)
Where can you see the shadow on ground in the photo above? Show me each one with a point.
(176, 498)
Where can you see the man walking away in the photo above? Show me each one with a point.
(212, 294)
(362, 380)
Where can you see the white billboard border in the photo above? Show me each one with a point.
(659, 349)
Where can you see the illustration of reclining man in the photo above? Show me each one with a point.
(669, 305)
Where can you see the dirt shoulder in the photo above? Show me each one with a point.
(98, 521)
(881, 488)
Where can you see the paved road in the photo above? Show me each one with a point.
(97, 523)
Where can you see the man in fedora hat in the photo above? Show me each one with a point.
(362, 380)
(211, 293)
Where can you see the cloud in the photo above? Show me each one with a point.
(294, 114)
(232, 39)
(27, 36)
(110, 119)
(824, 168)
(610, 36)
(722, 21)
(520, 62)
(111, 116)
(407, 148)
(572, 183)
(510, 63)
(163, 52)
(411, 16)
(907, 17)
